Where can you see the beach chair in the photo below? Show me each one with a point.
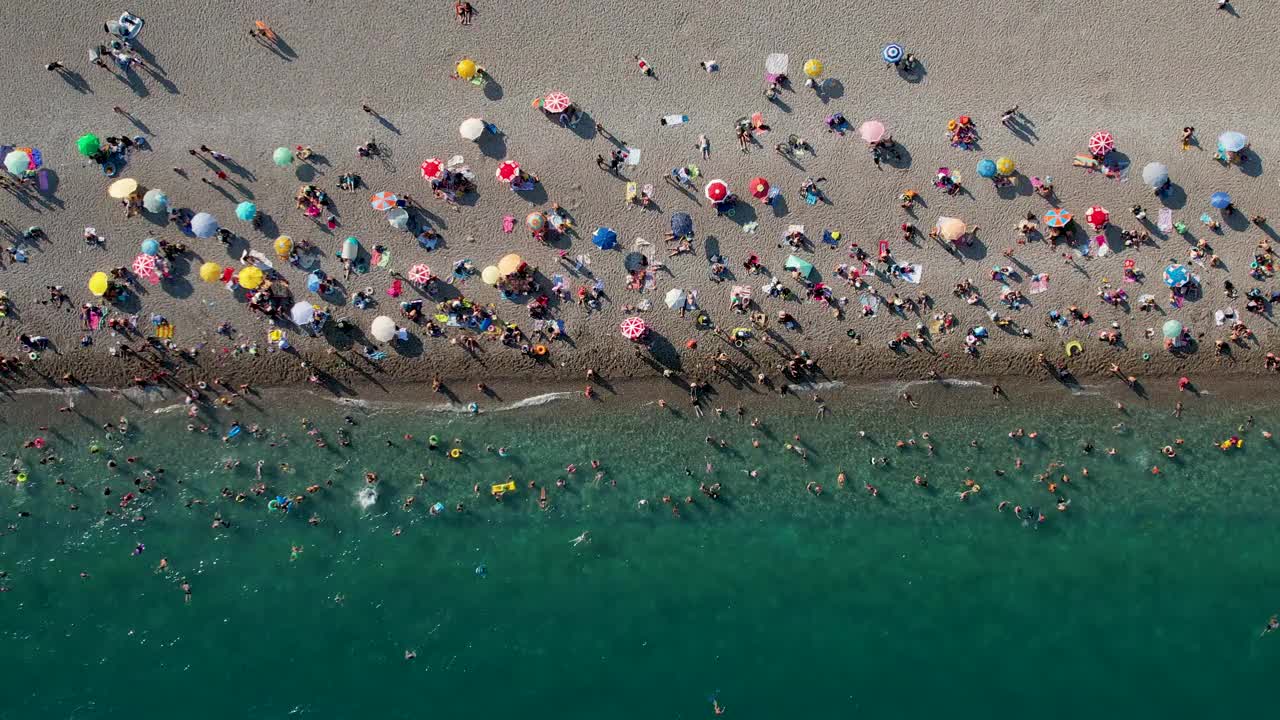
(631, 192)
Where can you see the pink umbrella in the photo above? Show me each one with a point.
(716, 190)
(633, 328)
(871, 131)
(1097, 215)
(383, 201)
(144, 265)
(556, 102)
(419, 273)
(1101, 143)
(508, 170)
(433, 169)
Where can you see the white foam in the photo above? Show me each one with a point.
(366, 497)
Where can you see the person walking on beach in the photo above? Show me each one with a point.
(1006, 118)
(1188, 134)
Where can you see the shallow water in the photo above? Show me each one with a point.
(1146, 597)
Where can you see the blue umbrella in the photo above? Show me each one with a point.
(246, 210)
(1232, 141)
(1220, 200)
(150, 246)
(892, 53)
(204, 225)
(605, 239)
(313, 282)
(1176, 276)
(986, 168)
(681, 224)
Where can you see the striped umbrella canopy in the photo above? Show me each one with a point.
(383, 200)
(535, 221)
(1097, 215)
(892, 53)
(716, 190)
(1101, 143)
(433, 169)
(419, 273)
(556, 102)
(1057, 217)
(508, 170)
(633, 328)
(144, 265)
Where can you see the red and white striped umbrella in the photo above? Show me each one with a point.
(433, 169)
(383, 200)
(556, 102)
(1101, 143)
(716, 190)
(633, 328)
(1097, 215)
(419, 273)
(144, 265)
(508, 170)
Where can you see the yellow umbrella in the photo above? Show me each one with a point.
(122, 188)
(467, 68)
(1005, 166)
(951, 228)
(210, 272)
(509, 264)
(250, 277)
(491, 275)
(284, 245)
(98, 283)
(813, 67)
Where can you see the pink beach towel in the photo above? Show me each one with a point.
(508, 223)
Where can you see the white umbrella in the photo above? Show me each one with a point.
(302, 313)
(382, 328)
(399, 218)
(471, 129)
(154, 200)
(676, 298)
(1155, 174)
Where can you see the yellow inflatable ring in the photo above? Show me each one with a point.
(1074, 348)
(455, 453)
(539, 350)
(22, 477)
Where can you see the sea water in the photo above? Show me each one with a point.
(1146, 598)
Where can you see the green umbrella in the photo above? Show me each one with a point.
(794, 263)
(17, 162)
(89, 145)
(1172, 329)
(282, 156)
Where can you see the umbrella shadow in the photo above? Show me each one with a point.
(585, 128)
(741, 213)
(710, 246)
(238, 169)
(1236, 221)
(1253, 165)
(267, 226)
(306, 172)
(410, 348)
(492, 88)
(1020, 186)
(493, 146)
(1174, 196)
(915, 74)
(900, 160)
(830, 89)
(536, 194)
(779, 206)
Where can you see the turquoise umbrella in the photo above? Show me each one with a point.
(17, 162)
(246, 210)
(150, 247)
(1172, 329)
(794, 263)
(986, 168)
(282, 156)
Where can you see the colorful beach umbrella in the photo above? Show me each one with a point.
(1097, 215)
(122, 188)
(144, 265)
(282, 156)
(89, 145)
(892, 53)
(1155, 174)
(1005, 166)
(203, 225)
(466, 68)
(246, 211)
(382, 328)
(535, 221)
(508, 170)
(1220, 200)
(1232, 141)
(951, 229)
(154, 200)
(17, 162)
(633, 328)
(433, 169)
(471, 129)
(605, 238)
(556, 102)
(759, 188)
(250, 277)
(716, 190)
(813, 67)
(210, 272)
(871, 131)
(1101, 143)
(419, 273)
(150, 246)
(383, 200)
(796, 263)
(1057, 217)
(1175, 276)
(98, 283)
(986, 168)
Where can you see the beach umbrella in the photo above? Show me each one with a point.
(676, 298)
(383, 200)
(716, 190)
(508, 170)
(155, 201)
(144, 265)
(556, 102)
(509, 264)
(1101, 143)
(471, 129)
(17, 162)
(433, 169)
(1155, 174)
(302, 313)
(1097, 215)
(681, 225)
(210, 272)
(282, 156)
(759, 188)
(794, 263)
(250, 277)
(813, 67)
(951, 229)
(466, 68)
(1175, 276)
(1005, 166)
(1172, 329)
(382, 328)
(535, 221)
(986, 168)
(892, 53)
(98, 283)
(633, 328)
(605, 238)
(203, 225)
(419, 273)
(283, 246)
(313, 282)
(150, 246)
(1057, 217)
(1220, 200)
(122, 188)
(1232, 141)
(89, 145)
(246, 210)
(491, 275)
(398, 218)
(871, 131)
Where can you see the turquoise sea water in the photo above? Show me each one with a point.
(1145, 599)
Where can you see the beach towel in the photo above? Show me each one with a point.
(1039, 283)
(95, 319)
(631, 155)
(164, 330)
(811, 197)
(1085, 161)
(383, 259)
(632, 191)
(750, 227)
(829, 239)
(870, 301)
(1222, 316)
(1165, 220)
(776, 63)
(1100, 241)
(912, 273)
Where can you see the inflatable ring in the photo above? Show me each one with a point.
(473, 407)
(738, 344)
(539, 350)
(455, 453)
(22, 477)
(273, 505)
(1074, 348)
(34, 356)
(434, 440)
(109, 169)
(1146, 357)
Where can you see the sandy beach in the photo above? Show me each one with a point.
(1141, 72)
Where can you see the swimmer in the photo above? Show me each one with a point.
(875, 491)
(841, 478)
(584, 537)
(1272, 625)
(921, 481)
(186, 591)
(1003, 504)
